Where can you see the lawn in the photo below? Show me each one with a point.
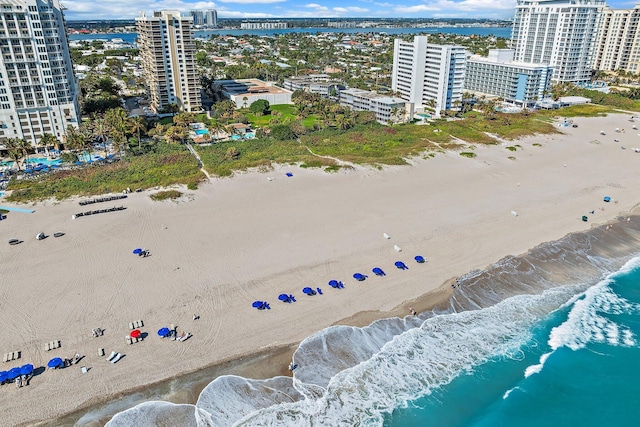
(289, 112)
(172, 165)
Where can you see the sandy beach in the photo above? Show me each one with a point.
(250, 238)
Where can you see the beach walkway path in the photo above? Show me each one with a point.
(204, 171)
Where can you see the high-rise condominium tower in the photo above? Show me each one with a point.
(428, 75)
(562, 33)
(205, 18)
(38, 91)
(168, 60)
(619, 41)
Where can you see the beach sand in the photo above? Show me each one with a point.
(249, 238)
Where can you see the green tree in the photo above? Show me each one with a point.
(282, 133)
(260, 107)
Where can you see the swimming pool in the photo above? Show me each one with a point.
(34, 161)
(201, 132)
(424, 116)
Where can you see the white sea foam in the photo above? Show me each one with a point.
(534, 369)
(353, 376)
(508, 392)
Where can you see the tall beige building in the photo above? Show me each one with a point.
(168, 60)
(619, 41)
(38, 91)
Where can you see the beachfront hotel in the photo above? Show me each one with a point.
(619, 41)
(428, 75)
(560, 33)
(167, 50)
(388, 110)
(38, 90)
(498, 75)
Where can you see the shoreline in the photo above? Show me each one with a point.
(270, 363)
(234, 241)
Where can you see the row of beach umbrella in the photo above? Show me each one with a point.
(288, 298)
(14, 373)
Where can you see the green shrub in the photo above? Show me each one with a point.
(166, 194)
(468, 154)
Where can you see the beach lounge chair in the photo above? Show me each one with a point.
(401, 265)
(378, 271)
(118, 357)
(14, 241)
(58, 234)
(319, 291)
(419, 259)
(185, 336)
(112, 356)
(100, 351)
(129, 340)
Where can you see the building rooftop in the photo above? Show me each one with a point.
(249, 87)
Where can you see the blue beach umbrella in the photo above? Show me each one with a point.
(607, 198)
(257, 304)
(283, 297)
(333, 283)
(359, 277)
(419, 258)
(163, 332)
(4, 375)
(13, 373)
(137, 251)
(26, 369)
(55, 362)
(307, 291)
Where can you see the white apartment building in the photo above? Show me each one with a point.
(321, 84)
(516, 82)
(387, 109)
(562, 33)
(428, 75)
(38, 91)
(619, 41)
(262, 25)
(167, 51)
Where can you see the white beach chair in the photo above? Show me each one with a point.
(100, 351)
(118, 357)
(185, 337)
(397, 248)
(112, 356)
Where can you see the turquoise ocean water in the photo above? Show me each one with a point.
(576, 366)
(551, 337)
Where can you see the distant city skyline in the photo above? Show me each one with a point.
(248, 9)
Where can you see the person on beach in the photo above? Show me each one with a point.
(412, 311)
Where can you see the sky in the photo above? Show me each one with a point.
(129, 9)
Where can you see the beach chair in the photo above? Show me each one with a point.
(6, 357)
(140, 324)
(131, 326)
(184, 337)
(128, 339)
(100, 351)
(16, 355)
(47, 346)
(112, 356)
(118, 357)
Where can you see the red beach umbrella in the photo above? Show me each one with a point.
(135, 333)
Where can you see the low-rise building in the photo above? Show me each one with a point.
(498, 75)
(244, 92)
(388, 109)
(321, 84)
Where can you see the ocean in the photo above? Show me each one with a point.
(551, 337)
(480, 31)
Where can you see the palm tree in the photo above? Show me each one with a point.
(14, 149)
(48, 140)
(244, 101)
(137, 125)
